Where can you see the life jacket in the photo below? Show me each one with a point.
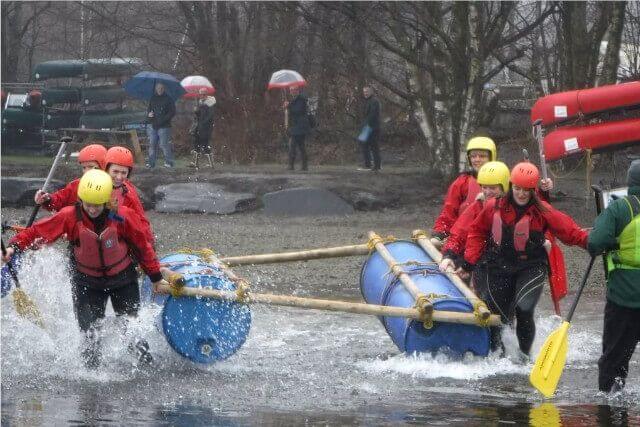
(99, 255)
(520, 234)
(473, 189)
(627, 256)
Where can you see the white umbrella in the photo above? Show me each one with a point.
(193, 84)
(285, 79)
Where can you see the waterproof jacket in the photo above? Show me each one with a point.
(126, 222)
(204, 117)
(372, 113)
(461, 193)
(298, 116)
(126, 195)
(481, 241)
(455, 244)
(163, 109)
(66, 196)
(623, 285)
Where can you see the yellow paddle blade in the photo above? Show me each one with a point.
(26, 307)
(549, 365)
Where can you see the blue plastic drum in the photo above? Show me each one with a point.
(180, 263)
(204, 330)
(380, 286)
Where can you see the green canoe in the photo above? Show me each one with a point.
(86, 69)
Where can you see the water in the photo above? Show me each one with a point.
(297, 367)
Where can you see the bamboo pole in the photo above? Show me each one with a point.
(421, 238)
(335, 252)
(421, 300)
(329, 305)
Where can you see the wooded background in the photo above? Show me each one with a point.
(433, 64)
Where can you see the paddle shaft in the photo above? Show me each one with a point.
(63, 145)
(582, 285)
(12, 271)
(537, 132)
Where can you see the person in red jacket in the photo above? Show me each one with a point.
(104, 243)
(464, 189)
(493, 177)
(119, 165)
(90, 157)
(506, 251)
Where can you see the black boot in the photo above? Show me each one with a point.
(91, 353)
(141, 350)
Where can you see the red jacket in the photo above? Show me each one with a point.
(127, 195)
(458, 234)
(66, 196)
(558, 223)
(65, 222)
(458, 197)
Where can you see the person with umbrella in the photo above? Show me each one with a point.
(202, 127)
(160, 113)
(299, 126)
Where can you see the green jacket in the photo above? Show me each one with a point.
(623, 286)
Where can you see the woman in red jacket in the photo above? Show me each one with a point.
(119, 165)
(506, 251)
(104, 243)
(493, 177)
(90, 157)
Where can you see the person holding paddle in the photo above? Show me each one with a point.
(90, 157)
(616, 232)
(506, 251)
(104, 244)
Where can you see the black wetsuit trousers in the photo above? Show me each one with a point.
(512, 294)
(620, 336)
(90, 303)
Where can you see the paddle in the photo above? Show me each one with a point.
(63, 145)
(24, 305)
(549, 365)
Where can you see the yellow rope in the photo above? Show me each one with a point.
(477, 305)
(242, 291)
(205, 253)
(420, 234)
(177, 283)
(371, 244)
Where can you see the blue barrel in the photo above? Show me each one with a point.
(204, 330)
(6, 281)
(379, 286)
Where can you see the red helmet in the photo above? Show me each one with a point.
(93, 153)
(525, 175)
(120, 156)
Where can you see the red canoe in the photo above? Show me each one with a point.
(569, 140)
(563, 106)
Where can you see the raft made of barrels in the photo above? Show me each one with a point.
(203, 330)
(380, 286)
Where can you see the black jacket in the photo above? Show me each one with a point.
(298, 119)
(372, 113)
(163, 109)
(204, 116)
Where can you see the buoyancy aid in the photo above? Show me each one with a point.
(517, 237)
(99, 255)
(627, 256)
(473, 189)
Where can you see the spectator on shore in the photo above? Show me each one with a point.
(299, 126)
(160, 113)
(202, 127)
(370, 131)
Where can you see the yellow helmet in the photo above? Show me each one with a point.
(494, 173)
(95, 187)
(483, 143)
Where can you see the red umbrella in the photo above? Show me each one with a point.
(193, 84)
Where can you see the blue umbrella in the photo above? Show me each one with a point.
(142, 85)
